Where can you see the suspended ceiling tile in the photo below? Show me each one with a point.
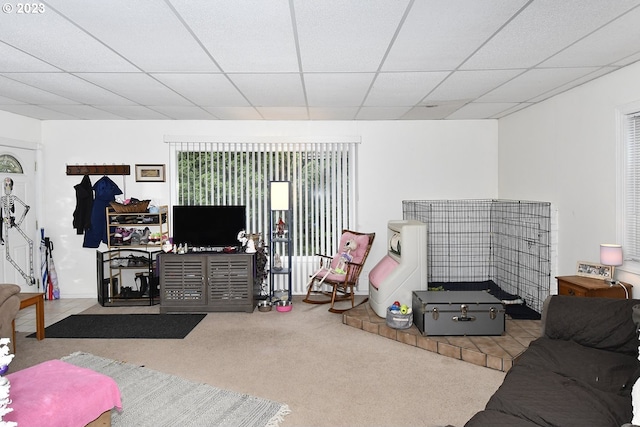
(532, 83)
(628, 60)
(333, 113)
(402, 89)
(16, 61)
(84, 112)
(9, 101)
(461, 26)
(338, 35)
(284, 113)
(235, 113)
(136, 87)
(337, 89)
(382, 113)
(470, 84)
(30, 95)
(184, 112)
(37, 112)
(148, 34)
(71, 87)
(53, 39)
(512, 110)
(271, 90)
(603, 47)
(244, 35)
(205, 89)
(573, 83)
(433, 111)
(480, 110)
(133, 112)
(543, 29)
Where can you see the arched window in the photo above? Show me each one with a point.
(9, 164)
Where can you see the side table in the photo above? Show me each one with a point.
(28, 299)
(581, 286)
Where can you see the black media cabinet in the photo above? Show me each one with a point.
(206, 282)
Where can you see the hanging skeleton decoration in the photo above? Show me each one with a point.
(8, 202)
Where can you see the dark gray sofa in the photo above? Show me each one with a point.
(580, 372)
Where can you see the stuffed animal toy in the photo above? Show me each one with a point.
(345, 256)
(341, 267)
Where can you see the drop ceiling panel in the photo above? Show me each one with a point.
(271, 90)
(402, 89)
(461, 26)
(605, 46)
(307, 60)
(470, 84)
(162, 43)
(338, 36)
(84, 112)
(382, 113)
(55, 40)
(337, 89)
(71, 87)
(573, 83)
(234, 113)
(14, 61)
(30, 95)
(334, 113)
(205, 89)
(244, 35)
(284, 113)
(437, 112)
(134, 112)
(532, 83)
(544, 28)
(184, 112)
(137, 87)
(37, 112)
(480, 110)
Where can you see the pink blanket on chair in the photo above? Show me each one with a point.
(56, 393)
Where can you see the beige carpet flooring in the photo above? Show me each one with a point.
(328, 373)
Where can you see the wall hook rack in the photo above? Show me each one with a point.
(98, 170)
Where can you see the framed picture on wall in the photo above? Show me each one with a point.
(150, 173)
(591, 269)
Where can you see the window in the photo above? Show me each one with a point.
(631, 186)
(322, 177)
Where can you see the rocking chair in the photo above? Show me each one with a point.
(338, 275)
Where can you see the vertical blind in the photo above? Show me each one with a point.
(632, 188)
(323, 183)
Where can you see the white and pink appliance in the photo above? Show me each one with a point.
(404, 268)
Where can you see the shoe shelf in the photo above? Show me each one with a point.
(137, 229)
(126, 277)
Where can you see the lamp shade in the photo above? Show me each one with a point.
(279, 192)
(610, 254)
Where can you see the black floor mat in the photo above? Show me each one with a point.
(168, 326)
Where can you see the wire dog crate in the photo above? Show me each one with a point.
(506, 242)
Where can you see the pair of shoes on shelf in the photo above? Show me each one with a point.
(146, 233)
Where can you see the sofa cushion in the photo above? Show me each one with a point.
(603, 323)
(547, 398)
(603, 370)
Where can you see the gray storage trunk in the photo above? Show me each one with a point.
(457, 313)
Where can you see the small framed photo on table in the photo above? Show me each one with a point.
(150, 173)
(597, 271)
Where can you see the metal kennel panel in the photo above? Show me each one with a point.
(505, 241)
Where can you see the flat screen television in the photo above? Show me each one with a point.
(208, 226)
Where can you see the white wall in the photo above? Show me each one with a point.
(399, 160)
(563, 150)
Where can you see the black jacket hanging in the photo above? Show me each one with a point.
(84, 204)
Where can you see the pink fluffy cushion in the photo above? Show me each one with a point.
(358, 254)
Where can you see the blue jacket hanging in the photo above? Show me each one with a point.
(105, 191)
